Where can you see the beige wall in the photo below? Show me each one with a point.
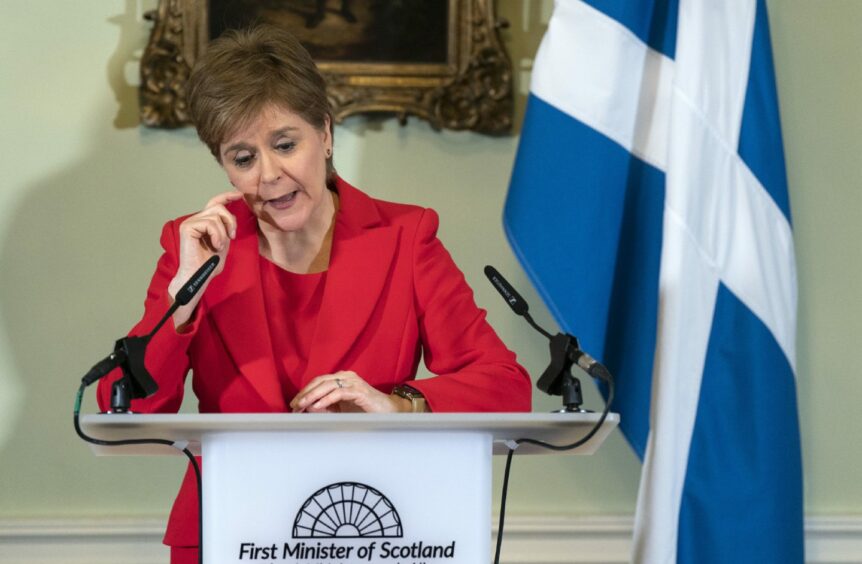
(85, 191)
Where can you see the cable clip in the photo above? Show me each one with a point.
(511, 444)
(180, 445)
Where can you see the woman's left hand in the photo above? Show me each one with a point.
(345, 391)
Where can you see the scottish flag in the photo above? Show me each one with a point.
(648, 204)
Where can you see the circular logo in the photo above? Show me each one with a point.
(347, 510)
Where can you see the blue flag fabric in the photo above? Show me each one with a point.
(648, 205)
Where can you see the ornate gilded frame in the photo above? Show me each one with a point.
(472, 91)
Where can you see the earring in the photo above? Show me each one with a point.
(328, 153)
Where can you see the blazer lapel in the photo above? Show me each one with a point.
(362, 257)
(235, 301)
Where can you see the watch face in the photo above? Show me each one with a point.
(401, 390)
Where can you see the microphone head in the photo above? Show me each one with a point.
(190, 288)
(513, 298)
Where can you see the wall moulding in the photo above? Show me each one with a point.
(596, 539)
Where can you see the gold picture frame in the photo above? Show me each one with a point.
(469, 88)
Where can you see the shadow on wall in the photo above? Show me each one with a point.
(75, 259)
(79, 252)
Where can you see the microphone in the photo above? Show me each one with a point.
(512, 297)
(129, 351)
(563, 344)
(197, 280)
(188, 291)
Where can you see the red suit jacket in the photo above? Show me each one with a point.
(392, 295)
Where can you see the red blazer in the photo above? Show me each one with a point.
(392, 294)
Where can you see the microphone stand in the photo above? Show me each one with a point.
(566, 352)
(558, 379)
(137, 382)
(129, 352)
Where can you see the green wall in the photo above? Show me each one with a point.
(84, 192)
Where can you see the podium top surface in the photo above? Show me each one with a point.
(554, 428)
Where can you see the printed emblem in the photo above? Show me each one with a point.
(347, 510)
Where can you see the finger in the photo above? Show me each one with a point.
(316, 381)
(214, 233)
(224, 215)
(295, 403)
(299, 399)
(312, 396)
(224, 198)
(348, 378)
(322, 379)
(210, 231)
(333, 398)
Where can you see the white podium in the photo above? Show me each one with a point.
(347, 488)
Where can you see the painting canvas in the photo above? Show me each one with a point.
(370, 31)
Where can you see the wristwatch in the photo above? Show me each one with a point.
(417, 400)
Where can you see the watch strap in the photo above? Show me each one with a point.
(418, 404)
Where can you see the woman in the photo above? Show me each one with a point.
(325, 298)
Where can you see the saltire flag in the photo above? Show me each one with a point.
(648, 205)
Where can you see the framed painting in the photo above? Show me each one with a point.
(440, 60)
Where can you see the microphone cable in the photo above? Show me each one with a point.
(590, 366)
(558, 448)
(179, 445)
(133, 352)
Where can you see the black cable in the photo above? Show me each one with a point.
(130, 351)
(503, 505)
(79, 399)
(576, 444)
(583, 439)
(536, 326)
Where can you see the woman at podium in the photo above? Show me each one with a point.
(325, 298)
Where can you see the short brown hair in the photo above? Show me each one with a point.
(242, 72)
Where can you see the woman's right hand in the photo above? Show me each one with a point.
(203, 235)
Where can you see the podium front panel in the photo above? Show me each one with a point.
(344, 498)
